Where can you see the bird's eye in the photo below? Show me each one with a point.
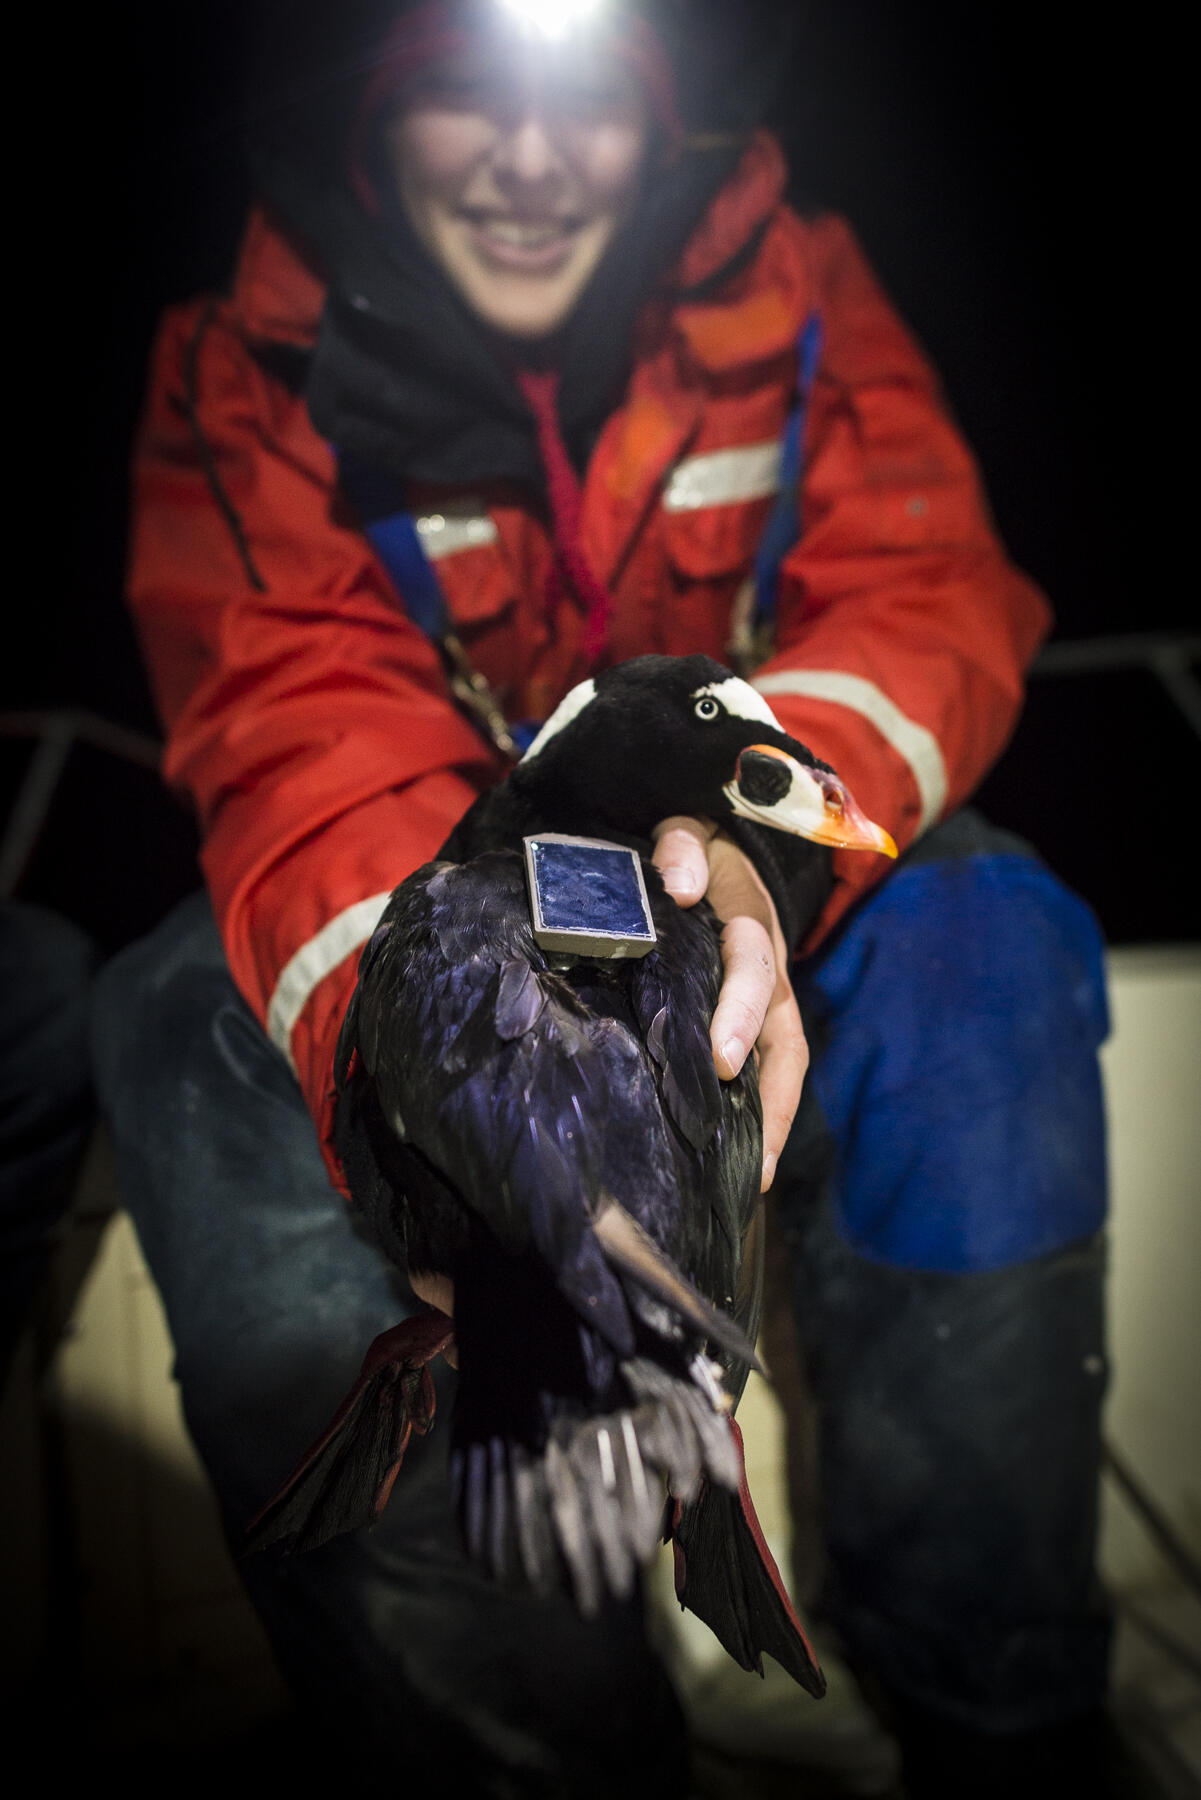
(707, 707)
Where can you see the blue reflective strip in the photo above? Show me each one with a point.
(956, 1020)
(784, 526)
(399, 548)
(393, 536)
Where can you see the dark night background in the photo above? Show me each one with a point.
(1006, 178)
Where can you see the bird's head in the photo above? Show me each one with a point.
(680, 734)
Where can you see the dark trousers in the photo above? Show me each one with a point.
(959, 1404)
(943, 1198)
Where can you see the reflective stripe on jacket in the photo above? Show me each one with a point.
(309, 721)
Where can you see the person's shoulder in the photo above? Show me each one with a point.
(268, 313)
(278, 291)
(762, 228)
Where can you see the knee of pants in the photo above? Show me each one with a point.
(955, 1025)
(271, 1294)
(162, 1007)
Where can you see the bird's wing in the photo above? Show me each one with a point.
(718, 1125)
(534, 1109)
(344, 1479)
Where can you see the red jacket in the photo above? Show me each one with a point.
(309, 720)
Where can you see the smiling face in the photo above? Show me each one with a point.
(516, 171)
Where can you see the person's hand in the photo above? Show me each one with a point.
(756, 1009)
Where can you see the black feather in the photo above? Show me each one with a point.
(726, 1576)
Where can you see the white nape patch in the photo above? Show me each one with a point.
(740, 698)
(568, 708)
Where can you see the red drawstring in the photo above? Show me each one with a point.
(563, 492)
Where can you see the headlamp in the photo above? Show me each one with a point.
(550, 20)
(437, 29)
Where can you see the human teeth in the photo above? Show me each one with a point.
(527, 237)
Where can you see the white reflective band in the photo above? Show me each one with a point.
(442, 534)
(314, 961)
(919, 747)
(724, 476)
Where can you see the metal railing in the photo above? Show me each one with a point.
(54, 733)
(1168, 655)
(1171, 656)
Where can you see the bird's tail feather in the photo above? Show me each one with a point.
(593, 1501)
(727, 1576)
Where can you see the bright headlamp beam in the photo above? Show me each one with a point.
(552, 20)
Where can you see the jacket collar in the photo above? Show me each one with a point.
(727, 316)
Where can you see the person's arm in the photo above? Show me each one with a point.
(903, 636)
(904, 631)
(305, 717)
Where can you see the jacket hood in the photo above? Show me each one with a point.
(404, 375)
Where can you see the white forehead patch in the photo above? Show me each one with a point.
(569, 706)
(740, 698)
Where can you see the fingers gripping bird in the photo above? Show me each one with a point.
(546, 1129)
